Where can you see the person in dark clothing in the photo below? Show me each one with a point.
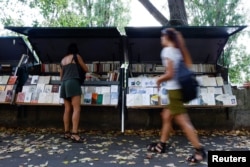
(71, 92)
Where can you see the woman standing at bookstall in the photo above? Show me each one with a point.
(71, 92)
(173, 52)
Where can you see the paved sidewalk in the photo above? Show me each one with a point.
(46, 147)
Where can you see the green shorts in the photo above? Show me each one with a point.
(176, 105)
(70, 88)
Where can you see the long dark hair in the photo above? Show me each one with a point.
(73, 49)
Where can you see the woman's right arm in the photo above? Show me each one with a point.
(82, 63)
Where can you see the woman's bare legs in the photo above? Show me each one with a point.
(76, 103)
(166, 125)
(66, 115)
(184, 122)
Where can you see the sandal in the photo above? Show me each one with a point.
(198, 152)
(75, 140)
(67, 135)
(157, 147)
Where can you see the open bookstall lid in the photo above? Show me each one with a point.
(94, 43)
(205, 44)
(12, 49)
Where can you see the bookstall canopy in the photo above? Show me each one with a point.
(94, 43)
(12, 49)
(205, 44)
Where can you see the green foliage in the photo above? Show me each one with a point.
(223, 13)
(68, 13)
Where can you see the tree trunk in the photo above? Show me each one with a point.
(154, 12)
(177, 11)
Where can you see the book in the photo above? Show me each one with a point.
(48, 88)
(207, 99)
(56, 98)
(130, 100)
(34, 79)
(9, 87)
(34, 97)
(12, 80)
(4, 79)
(219, 81)
(40, 88)
(20, 97)
(146, 99)
(154, 99)
(27, 97)
(225, 99)
(42, 97)
(29, 88)
(44, 79)
(9, 95)
(94, 98)
(3, 96)
(106, 98)
(87, 98)
(99, 99)
(227, 89)
(2, 87)
(55, 88)
(114, 94)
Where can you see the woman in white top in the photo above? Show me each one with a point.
(173, 52)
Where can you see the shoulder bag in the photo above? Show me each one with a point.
(81, 72)
(186, 79)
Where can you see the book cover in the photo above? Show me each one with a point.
(9, 87)
(44, 79)
(56, 98)
(27, 97)
(9, 96)
(20, 97)
(106, 98)
(3, 96)
(29, 88)
(42, 97)
(154, 99)
(34, 97)
(219, 81)
(130, 100)
(34, 79)
(87, 98)
(207, 99)
(4, 79)
(114, 94)
(55, 88)
(99, 99)
(94, 98)
(2, 87)
(146, 99)
(227, 89)
(40, 88)
(12, 80)
(226, 99)
(48, 88)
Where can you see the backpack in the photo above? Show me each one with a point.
(189, 85)
(81, 72)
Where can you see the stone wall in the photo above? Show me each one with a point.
(109, 117)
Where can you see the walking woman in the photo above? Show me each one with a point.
(174, 50)
(71, 92)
